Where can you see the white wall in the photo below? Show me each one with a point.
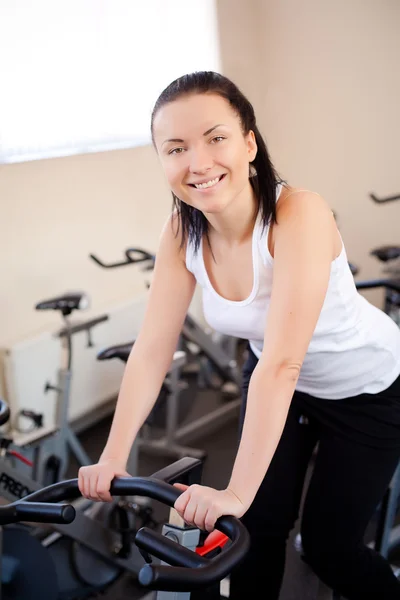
(323, 78)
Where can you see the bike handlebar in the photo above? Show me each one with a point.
(4, 412)
(40, 512)
(378, 200)
(390, 284)
(133, 256)
(191, 571)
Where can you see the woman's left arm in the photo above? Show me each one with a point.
(303, 253)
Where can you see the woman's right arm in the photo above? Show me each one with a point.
(170, 295)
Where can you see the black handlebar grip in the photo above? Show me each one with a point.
(4, 412)
(192, 571)
(42, 512)
(172, 579)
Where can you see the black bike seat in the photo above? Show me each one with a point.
(66, 303)
(386, 253)
(121, 351)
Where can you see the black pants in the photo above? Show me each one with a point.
(353, 468)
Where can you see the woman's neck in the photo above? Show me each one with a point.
(235, 224)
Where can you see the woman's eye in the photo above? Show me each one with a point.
(176, 151)
(219, 138)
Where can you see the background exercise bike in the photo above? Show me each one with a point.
(217, 362)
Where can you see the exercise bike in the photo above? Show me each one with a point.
(217, 368)
(48, 448)
(387, 539)
(176, 562)
(100, 540)
(389, 255)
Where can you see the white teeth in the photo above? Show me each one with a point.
(208, 184)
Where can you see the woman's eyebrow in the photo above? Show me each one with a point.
(180, 141)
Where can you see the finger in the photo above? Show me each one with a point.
(181, 502)
(86, 486)
(190, 512)
(103, 488)
(199, 517)
(181, 486)
(93, 487)
(81, 481)
(210, 520)
(122, 474)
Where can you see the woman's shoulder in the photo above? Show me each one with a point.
(172, 234)
(292, 199)
(302, 205)
(288, 191)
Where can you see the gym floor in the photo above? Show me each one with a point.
(299, 583)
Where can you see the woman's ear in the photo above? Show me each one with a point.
(251, 145)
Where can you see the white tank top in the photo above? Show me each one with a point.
(355, 347)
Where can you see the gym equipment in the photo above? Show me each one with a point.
(216, 359)
(392, 295)
(51, 446)
(99, 538)
(390, 255)
(386, 254)
(181, 570)
(47, 449)
(387, 538)
(382, 200)
(218, 351)
(168, 403)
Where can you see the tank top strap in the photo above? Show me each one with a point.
(262, 232)
(190, 256)
(299, 191)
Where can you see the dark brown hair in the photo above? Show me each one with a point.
(194, 223)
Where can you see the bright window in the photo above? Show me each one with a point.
(81, 76)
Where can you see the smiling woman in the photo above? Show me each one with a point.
(273, 270)
(218, 151)
(209, 168)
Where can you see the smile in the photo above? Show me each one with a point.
(207, 184)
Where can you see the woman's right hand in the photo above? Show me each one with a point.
(94, 481)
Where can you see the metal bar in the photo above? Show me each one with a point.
(210, 422)
(222, 362)
(109, 265)
(198, 428)
(183, 470)
(391, 284)
(85, 326)
(382, 200)
(161, 447)
(387, 540)
(76, 448)
(1, 561)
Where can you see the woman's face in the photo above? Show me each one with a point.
(203, 151)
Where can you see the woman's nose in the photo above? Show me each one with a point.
(200, 161)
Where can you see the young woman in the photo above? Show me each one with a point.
(273, 270)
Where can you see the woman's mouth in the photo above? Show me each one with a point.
(206, 185)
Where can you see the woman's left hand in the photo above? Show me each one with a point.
(201, 506)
